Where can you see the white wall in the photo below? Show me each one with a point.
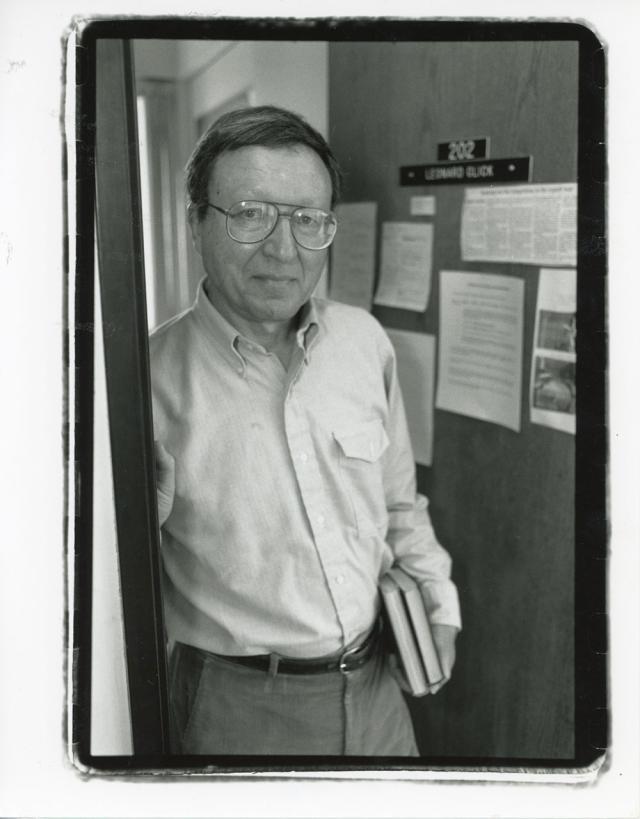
(175, 59)
(110, 717)
(194, 55)
(291, 75)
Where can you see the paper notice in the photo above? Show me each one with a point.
(532, 224)
(480, 364)
(405, 268)
(353, 254)
(422, 206)
(553, 366)
(415, 354)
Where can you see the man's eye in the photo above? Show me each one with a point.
(251, 213)
(307, 219)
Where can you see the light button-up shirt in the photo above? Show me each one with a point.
(295, 490)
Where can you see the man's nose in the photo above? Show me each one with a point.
(280, 243)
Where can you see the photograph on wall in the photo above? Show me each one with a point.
(557, 331)
(553, 371)
(554, 385)
(264, 460)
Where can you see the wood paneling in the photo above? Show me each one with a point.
(502, 502)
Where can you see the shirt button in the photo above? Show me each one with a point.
(340, 579)
(320, 520)
(304, 457)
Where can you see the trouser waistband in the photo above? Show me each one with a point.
(344, 661)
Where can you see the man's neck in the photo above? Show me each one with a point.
(278, 337)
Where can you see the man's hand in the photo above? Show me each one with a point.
(445, 639)
(165, 481)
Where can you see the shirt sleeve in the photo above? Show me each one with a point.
(410, 534)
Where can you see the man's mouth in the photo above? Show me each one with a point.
(275, 279)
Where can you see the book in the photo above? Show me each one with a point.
(404, 641)
(420, 622)
(409, 623)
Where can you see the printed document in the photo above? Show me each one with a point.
(353, 254)
(530, 224)
(422, 205)
(405, 267)
(480, 364)
(415, 354)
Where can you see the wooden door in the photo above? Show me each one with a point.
(502, 502)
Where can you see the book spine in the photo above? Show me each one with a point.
(405, 642)
(424, 637)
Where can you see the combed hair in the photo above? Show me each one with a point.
(263, 125)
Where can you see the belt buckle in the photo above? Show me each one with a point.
(342, 665)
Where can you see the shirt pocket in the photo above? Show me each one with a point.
(361, 448)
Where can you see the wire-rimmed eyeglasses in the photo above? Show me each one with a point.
(251, 221)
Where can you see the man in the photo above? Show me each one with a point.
(285, 472)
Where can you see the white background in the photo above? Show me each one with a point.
(35, 777)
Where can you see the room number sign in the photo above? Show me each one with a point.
(460, 150)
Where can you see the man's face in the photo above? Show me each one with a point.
(268, 281)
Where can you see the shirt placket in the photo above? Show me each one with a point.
(318, 505)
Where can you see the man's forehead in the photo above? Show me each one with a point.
(292, 174)
(266, 163)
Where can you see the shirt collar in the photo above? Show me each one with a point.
(308, 327)
(226, 336)
(223, 334)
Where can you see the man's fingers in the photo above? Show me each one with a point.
(433, 689)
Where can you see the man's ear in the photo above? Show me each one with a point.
(196, 231)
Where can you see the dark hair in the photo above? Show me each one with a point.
(264, 125)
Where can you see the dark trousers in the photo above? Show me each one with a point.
(221, 707)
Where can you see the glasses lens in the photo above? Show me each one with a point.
(313, 228)
(251, 221)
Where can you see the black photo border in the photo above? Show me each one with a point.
(591, 527)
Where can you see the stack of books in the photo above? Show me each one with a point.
(411, 631)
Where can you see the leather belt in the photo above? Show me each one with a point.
(345, 661)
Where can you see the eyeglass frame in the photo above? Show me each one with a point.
(277, 206)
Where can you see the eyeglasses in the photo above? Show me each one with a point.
(249, 222)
